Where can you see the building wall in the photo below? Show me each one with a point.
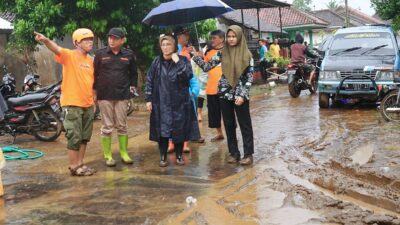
(12, 60)
(46, 67)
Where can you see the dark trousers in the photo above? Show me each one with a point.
(163, 146)
(264, 65)
(214, 111)
(200, 102)
(229, 109)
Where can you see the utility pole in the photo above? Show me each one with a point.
(347, 13)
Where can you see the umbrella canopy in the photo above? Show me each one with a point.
(185, 11)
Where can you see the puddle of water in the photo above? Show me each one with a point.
(363, 155)
(270, 200)
(282, 168)
(289, 216)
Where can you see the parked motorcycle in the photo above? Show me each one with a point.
(33, 114)
(131, 102)
(36, 113)
(298, 79)
(31, 80)
(55, 90)
(390, 104)
(8, 85)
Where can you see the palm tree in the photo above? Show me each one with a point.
(332, 4)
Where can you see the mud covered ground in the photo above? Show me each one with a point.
(312, 166)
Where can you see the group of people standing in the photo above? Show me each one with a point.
(107, 79)
(265, 48)
(170, 93)
(230, 67)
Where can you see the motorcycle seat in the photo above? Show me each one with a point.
(43, 89)
(18, 101)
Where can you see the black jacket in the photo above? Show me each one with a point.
(167, 88)
(114, 74)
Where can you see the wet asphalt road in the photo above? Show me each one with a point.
(296, 144)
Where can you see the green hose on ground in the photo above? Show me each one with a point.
(14, 153)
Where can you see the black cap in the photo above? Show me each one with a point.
(117, 32)
(180, 30)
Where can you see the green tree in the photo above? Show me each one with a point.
(57, 18)
(203, 29)
(332, 4)
(388, 10)
(304, 5)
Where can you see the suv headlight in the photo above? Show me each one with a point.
(329, 75)
(384, 75)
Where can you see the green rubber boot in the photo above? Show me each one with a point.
(123, 149)
(106, 145)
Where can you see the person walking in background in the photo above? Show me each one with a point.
(234, 91)
(115, 78)
(268, 42)
(168, 99)
(77, 95)
(275, 49)
(263, 60)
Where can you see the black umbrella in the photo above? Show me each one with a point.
(185, 11)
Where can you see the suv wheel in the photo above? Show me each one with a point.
(323, 100)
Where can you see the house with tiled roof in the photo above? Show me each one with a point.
(358, 17)
(314, 26)
(250, 23)
(292, 20)
(7, 16)
(376, 16)
(6, 26)
(337, 19)
(334, 20)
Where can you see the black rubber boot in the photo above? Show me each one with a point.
(179, 151)
(163, 147)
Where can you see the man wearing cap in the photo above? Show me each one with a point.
(182, 35)
(115, 78)
(77, 95)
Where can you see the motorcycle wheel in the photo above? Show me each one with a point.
(48, 128)
(130, 107)
(313, 87)
(293, 89)
(389, 101)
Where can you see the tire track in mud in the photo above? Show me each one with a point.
(294, 155)
(333, 132)
(368, 190)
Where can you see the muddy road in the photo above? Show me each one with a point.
(312, 166)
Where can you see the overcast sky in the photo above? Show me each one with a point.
(363, 5)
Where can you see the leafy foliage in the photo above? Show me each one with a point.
(388, 10)
(332, 4)
(304, 5)
(57, 18)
